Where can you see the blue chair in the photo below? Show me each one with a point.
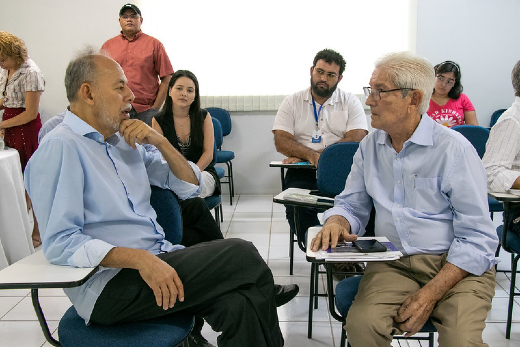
(346, 291)
(224, 156)
(511, 243)
(478, 137)
(166, 331)
(214, 202)
(332, 171)
(495, 116)
(169, 216)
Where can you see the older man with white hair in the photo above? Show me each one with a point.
(428, 187)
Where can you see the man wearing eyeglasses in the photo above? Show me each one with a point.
(312, 119)
(428, 186)
(144, 61)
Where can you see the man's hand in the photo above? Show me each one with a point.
(335, 229)
(163, 280)
(291, 160)
(415, 311)
(135, 131)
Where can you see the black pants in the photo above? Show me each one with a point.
(198, 224)
(307, 217)
(225, 281)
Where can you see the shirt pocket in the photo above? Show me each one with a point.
(424, 194)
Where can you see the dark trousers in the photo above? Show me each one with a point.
(225, 281)
(198, 224)
(307, 217)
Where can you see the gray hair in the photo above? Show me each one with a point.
(82, 69)
(410, 71)
(515, 78)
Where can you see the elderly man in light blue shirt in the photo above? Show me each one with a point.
(428, 187)
(90, 181)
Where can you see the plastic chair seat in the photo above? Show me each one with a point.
(213, 201)
(495, 205)
(224, 156)
(165, 331)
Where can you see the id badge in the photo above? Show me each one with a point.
(316, 136)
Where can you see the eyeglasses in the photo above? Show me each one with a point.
(376, 93)
(443, 80)
(132, 16)
(330, 75)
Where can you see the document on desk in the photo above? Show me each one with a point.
(345, 251)
(304, 196)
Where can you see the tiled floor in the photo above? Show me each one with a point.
(257, 219)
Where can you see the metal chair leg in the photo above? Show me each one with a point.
(511, 296)
(41, 318)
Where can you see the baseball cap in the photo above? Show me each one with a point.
(130, 7)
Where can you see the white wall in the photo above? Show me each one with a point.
(480, 35)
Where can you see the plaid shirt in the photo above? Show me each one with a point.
(28, 78)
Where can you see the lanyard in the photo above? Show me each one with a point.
(316, 114)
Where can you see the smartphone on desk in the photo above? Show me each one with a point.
(369, 246)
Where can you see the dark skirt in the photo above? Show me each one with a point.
(23, 138)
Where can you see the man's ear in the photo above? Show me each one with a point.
(416, 98)
(340, 77)
(86, 93)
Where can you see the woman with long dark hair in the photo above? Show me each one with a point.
(188, 127)
(448, 106)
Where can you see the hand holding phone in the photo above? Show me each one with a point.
(369, 246)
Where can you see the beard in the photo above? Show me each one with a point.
(108, 121)
(324, 93)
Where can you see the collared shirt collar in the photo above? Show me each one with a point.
(80, 127)
(136, 36)
(330, 101)
(422, 136)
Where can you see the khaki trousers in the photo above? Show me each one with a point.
(459, 316)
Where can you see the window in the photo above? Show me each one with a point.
(238, 47)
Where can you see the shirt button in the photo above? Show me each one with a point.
(398, 219)
(399, 182)
(405, 243)
(398, 205)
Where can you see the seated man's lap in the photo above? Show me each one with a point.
(207, 270)
(386, 285)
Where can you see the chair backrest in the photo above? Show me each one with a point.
(495, 116)
(217, 130)
(223, 117)
(334, 167)
(475, 134)
(166, 205)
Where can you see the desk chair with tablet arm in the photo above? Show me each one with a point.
(35, 271)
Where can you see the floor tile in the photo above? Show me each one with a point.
(255, 203)
(23, 333)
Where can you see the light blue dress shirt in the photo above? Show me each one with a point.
(90, 195)
(430, 198)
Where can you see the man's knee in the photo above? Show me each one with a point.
(367, 322)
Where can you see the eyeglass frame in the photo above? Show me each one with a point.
(330, 75)
(368, 92)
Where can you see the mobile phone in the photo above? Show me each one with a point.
(369, 246)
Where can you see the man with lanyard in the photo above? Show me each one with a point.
(312, 119)
(144, 61)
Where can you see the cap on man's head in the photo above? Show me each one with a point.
(130, 7)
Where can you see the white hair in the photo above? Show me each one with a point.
(410, 71)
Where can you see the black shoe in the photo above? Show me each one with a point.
(284, 294)
(195, 339)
